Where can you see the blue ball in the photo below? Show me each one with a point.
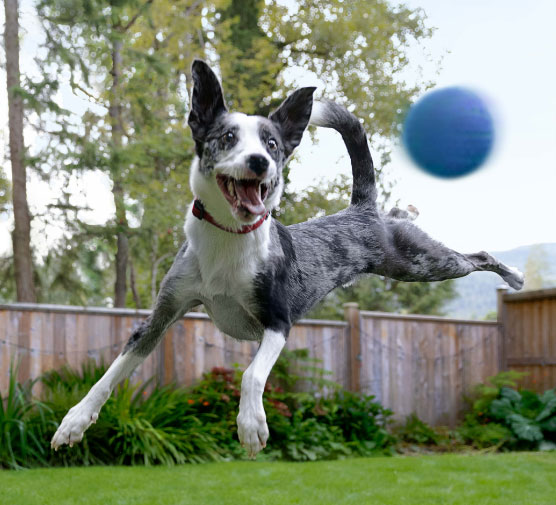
(449, 132)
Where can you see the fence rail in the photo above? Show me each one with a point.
(411, 363)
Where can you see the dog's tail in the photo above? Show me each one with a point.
(331, 115)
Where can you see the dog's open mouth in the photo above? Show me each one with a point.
(244, 194)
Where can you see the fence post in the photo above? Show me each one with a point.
(353, 318)
(502, 322)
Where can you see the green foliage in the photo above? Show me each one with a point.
(169, 425)
(537, 268)
(23, 424)
(149, 424)
(249, 59)
(504, 416)
(328, 424)
(296, 371)
(133, 132)
(415, 431)
(483, 436)
(5, 193)
(304, 427)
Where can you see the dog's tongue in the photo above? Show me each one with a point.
(250, 196)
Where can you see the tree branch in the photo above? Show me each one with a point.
(74, 85)
(134, 18)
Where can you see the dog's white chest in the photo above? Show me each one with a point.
(227, 263)
(227, 267)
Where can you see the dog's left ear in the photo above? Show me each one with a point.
(292, 117)
(207, 101)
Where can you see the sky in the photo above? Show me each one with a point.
(504, 49)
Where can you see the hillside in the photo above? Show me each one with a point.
(477, 292)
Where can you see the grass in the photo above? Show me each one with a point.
(516, 478)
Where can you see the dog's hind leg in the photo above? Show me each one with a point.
(169, 307)
(409, 254)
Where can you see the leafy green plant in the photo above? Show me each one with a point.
(23, 422)
(483, 436)
(148, 424)
(504, 416)
(295, 370)
(170, 425)
(415, 431)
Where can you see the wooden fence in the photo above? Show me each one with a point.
(411, 364)
(528, 322)
(43, 337)
(424, 365)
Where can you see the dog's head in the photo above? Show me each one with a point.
(238, 174)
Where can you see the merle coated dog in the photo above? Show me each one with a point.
(254, 276)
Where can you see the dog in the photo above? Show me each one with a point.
(254, 276)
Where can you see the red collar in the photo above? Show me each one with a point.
(200, 213)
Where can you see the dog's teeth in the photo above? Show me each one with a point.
(231, 188)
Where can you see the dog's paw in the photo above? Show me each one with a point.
(252, 431)
(514, 278)
(412, 212)
(74, 424)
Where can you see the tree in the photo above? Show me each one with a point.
(249, 58)
(136, 126)
(536, 268)
(21, 236)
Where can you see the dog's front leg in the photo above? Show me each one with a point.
(170, 305)
(251, 420)
(86, 412)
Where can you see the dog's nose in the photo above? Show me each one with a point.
(257, 163)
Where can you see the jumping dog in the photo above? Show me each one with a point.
(254, 276)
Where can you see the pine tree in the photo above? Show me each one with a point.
(21, 236)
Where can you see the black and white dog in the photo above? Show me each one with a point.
(254, 276)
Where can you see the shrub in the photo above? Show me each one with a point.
(171, 425)
(328, 427)
(149, 424)
(504, 416)
(415, 431)
(23, 424)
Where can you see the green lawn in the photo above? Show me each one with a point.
(518, 478)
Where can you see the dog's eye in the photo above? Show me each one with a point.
(227, 138)
(272, 144)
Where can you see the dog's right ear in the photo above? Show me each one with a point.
(207, 101)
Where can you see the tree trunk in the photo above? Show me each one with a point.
(21, 237)
(115, 112)
(133, 285)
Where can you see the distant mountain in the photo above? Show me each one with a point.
(477, 292)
